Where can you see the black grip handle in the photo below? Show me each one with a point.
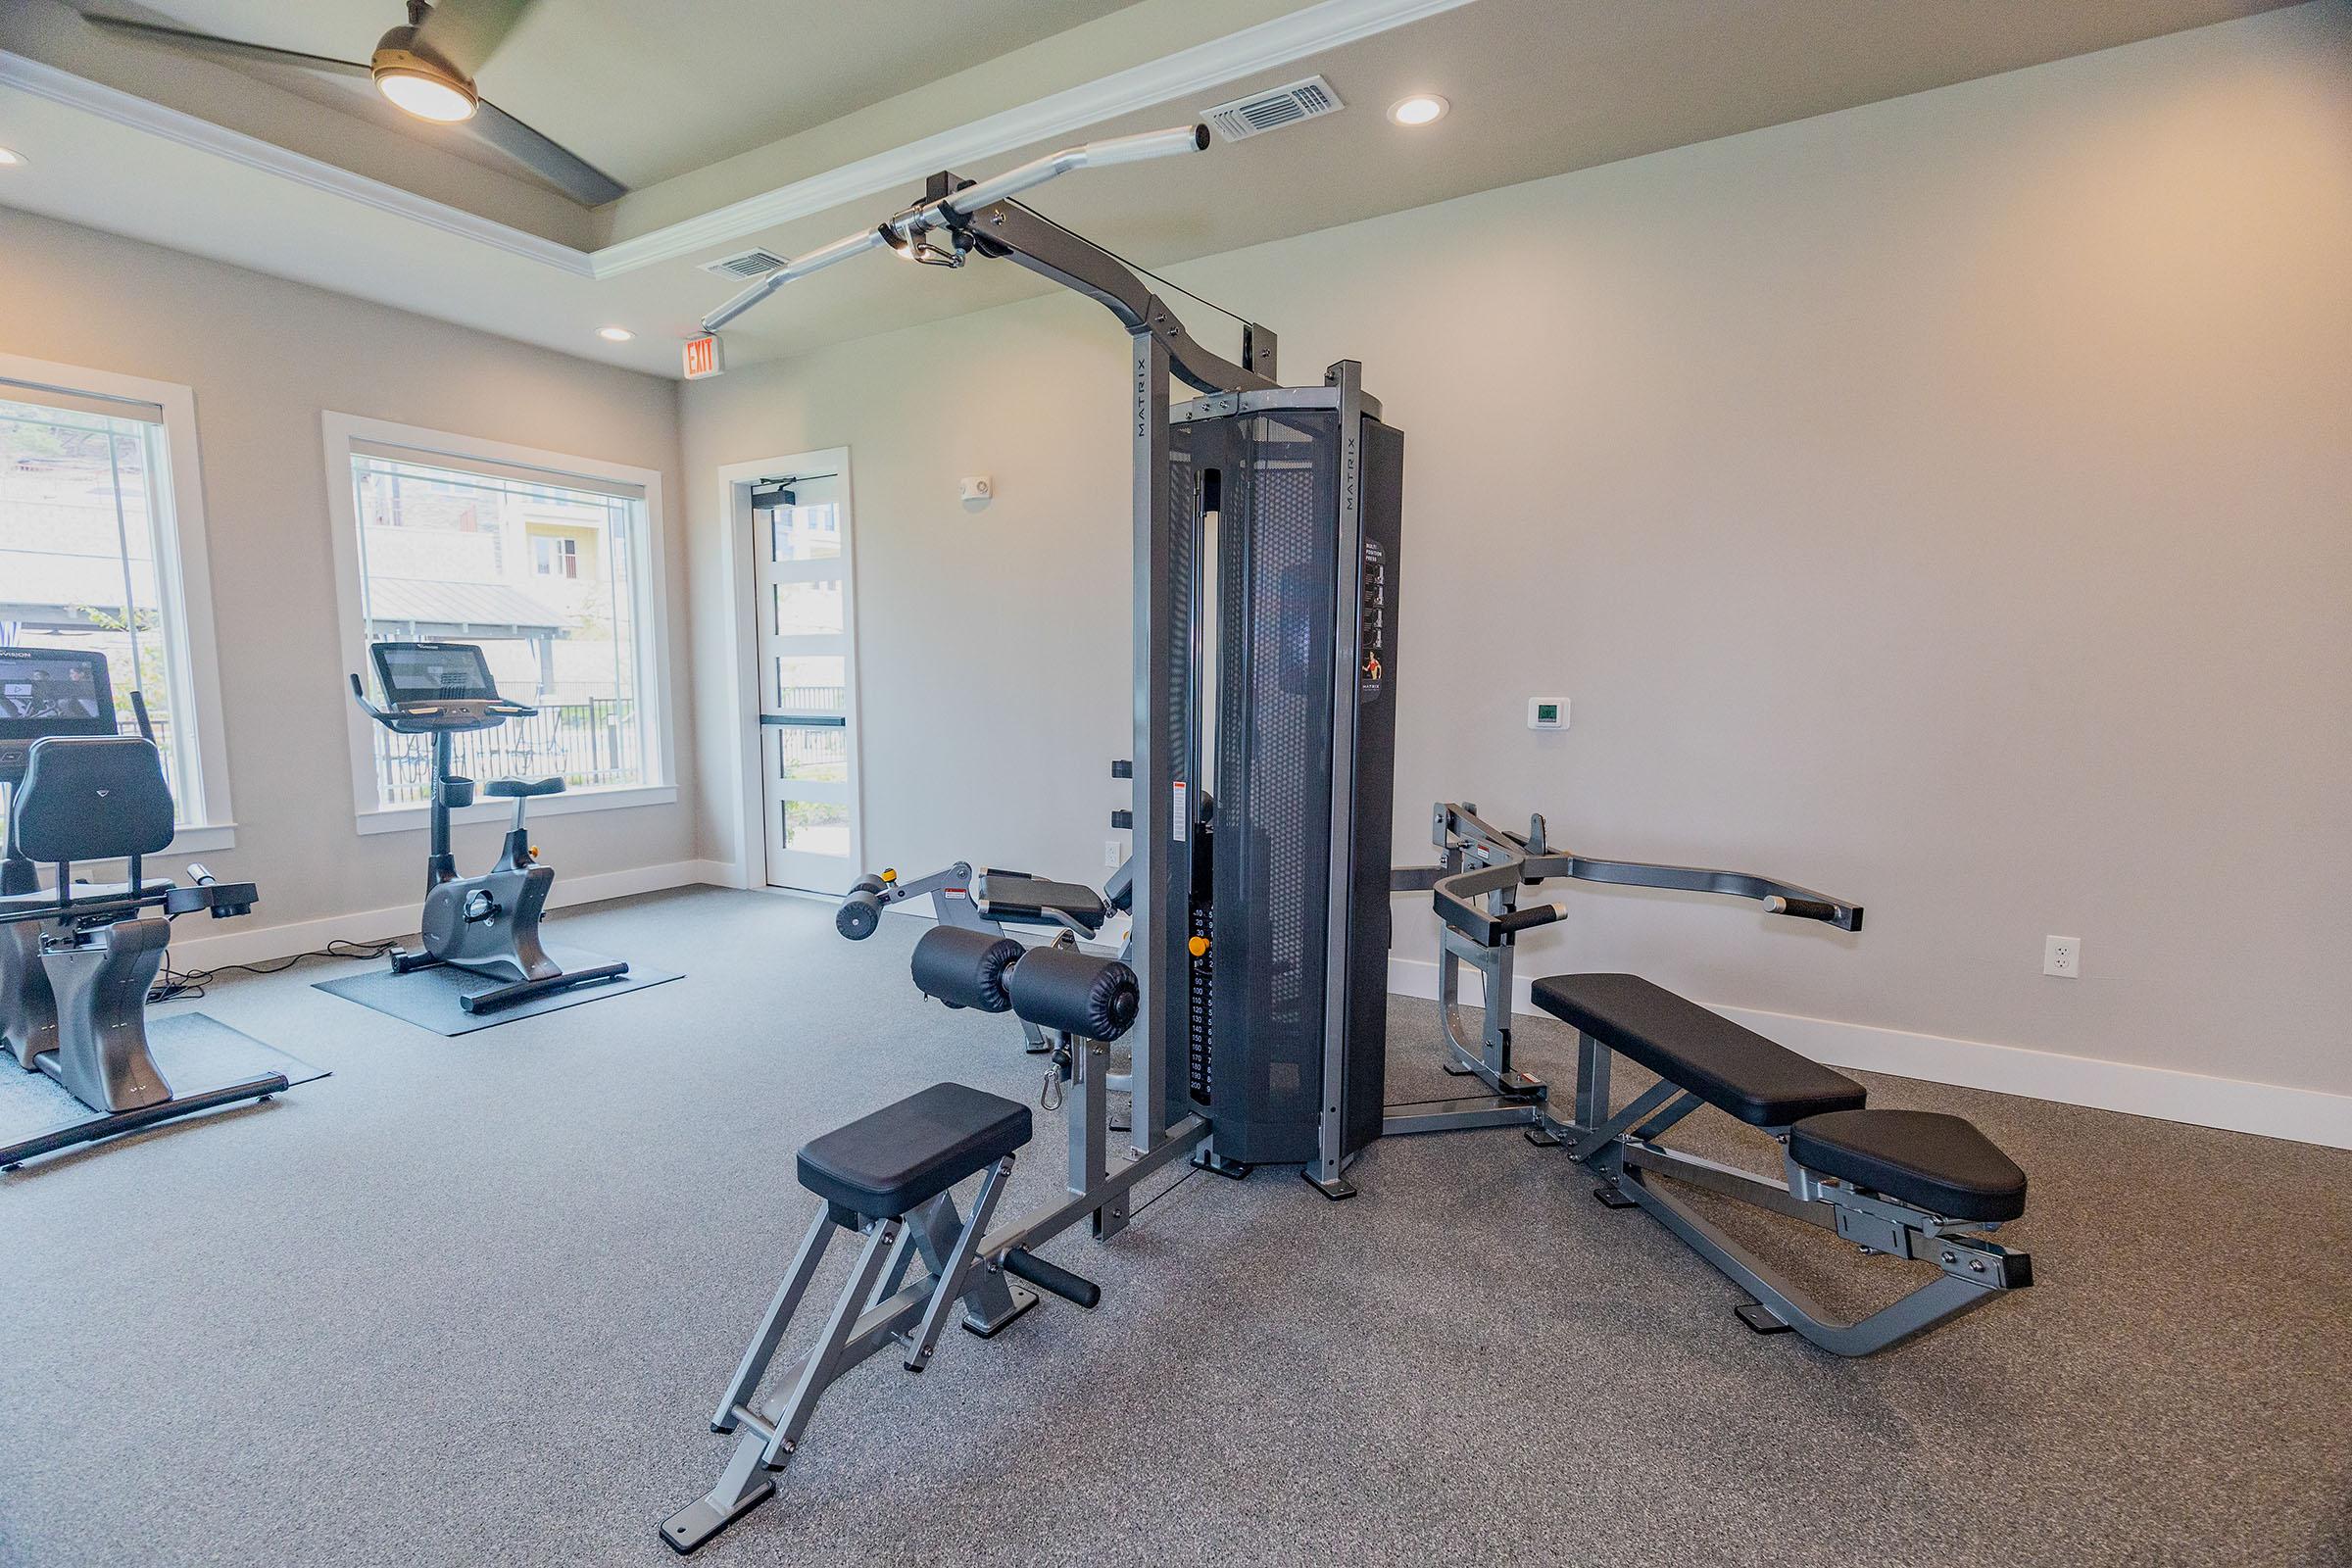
(1845, 916)
(1024, 1264)
(1526, 919)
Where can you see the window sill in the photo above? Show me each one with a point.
(203, 839)
(414, 819)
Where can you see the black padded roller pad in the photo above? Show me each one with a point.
(966, 969)
(886, 1164)
(1055, 988)
(1940, 1163)
(1736, 1069)
(860, 915)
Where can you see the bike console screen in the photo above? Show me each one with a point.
(434, 673)
(49, 691)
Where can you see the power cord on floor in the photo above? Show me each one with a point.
(1137, 1212)
(182, 985)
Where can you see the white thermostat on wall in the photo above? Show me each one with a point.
(1548, 713)
(978, 488)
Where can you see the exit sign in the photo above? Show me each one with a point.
(702, 356)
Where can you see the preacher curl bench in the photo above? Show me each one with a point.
(983, 904)
(889, 1177)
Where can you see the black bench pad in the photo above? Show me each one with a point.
(890, 1162)
(1034, 901)
(1734, 1069)
(1940, 1163)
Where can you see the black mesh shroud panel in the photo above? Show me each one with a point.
(1274, 780)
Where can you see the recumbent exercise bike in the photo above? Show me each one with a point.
(77, 959)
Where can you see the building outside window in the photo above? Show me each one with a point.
(556, 555)
(549, 571)
(100, 546)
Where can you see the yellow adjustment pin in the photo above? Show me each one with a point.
(889, 874)
(1198, 947)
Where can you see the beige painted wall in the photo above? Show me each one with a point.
(264, 356)
(1945, 503)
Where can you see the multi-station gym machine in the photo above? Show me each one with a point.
(1265, 526)
(1266, 541)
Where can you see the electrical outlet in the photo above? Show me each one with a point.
(2062, 956)
(1113, 854)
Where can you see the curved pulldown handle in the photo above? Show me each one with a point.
(1502, 859)
(902, 229)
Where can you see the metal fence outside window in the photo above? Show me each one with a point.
(593, 745)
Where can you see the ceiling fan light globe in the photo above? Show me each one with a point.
(426, 94)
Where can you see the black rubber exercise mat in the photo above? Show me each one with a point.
(429, 997)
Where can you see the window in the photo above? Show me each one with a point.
(102, 549)
(555, 558)
(551, 563)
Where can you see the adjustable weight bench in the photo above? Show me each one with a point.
(1904, 1184)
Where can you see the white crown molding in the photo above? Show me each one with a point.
(1317, 27)
(1268, 44)
(188, 131)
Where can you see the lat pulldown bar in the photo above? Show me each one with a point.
(901, 233)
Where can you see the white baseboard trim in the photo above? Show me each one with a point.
(2272, 1110)
(240, 942)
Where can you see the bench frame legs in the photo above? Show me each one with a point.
(968, 1264)
(875, 1308)
(1621, 1148)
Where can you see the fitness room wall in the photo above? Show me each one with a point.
(1216, 758)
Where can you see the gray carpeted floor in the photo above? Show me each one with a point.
(469, 1301)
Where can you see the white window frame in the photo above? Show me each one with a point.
(183, 582)
(340, 432)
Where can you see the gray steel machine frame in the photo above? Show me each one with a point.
(955, 220)
(1476, 889)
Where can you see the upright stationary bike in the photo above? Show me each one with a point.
(487, 924)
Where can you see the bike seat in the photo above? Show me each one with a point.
(511, 788)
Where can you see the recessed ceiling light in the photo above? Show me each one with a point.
(10, 158)
(614, 334)
(1421, 109)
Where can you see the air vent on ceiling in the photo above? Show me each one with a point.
(745, 263)
(1272, 109)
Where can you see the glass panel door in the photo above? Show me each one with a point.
(808, 723)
